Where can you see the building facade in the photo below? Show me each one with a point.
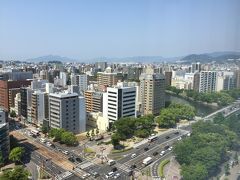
(152, 89)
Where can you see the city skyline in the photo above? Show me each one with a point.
(121, 29)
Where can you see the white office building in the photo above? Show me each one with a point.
(119, 101)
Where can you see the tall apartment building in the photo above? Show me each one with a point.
(208, 81)
(101, 65)
(82, 82)
(93, 101)
(67, 111)
(4, 135)
(107, 79)
(168, 78)
(39, 108)
(8, 91)
(17, 105)
(196, 67)
(152, 89)
(119, 102)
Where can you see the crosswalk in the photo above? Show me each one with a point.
(85, 164)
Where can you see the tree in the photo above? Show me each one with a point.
(194, 172)
(16, 154)
(227, 169)
(88, 134)
(92, 133)
(97, 131)
(13, 114)
(170, 116)
(115, 139)
(18, 173)
(45, 129)
(68, 138)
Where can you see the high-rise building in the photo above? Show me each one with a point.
(107, 79)
(119, 101)
(82, 82)
(196, 67)
(101, 65)
(63, 79)
(168, 78)
(8, 91)
(67, 111)
(39, 108)
(4, 135)
(208, 81)
(152, 88)
(93, 101)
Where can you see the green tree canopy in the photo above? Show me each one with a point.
(16, 154)
(18, 173)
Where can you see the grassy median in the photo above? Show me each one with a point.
(161, 167)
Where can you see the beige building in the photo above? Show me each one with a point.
(93, 101)
(96, 120)
(107, 79)
(152, 89)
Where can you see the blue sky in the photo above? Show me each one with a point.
(117, 28)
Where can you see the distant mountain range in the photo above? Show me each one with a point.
(219, 57)
(203, 58)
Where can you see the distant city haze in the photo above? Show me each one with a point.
(94, 28)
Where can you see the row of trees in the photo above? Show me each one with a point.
(63, 136)
(202, 154)
(174, 113)
(221, 98)
(128, 127)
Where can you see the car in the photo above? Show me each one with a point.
(48, 144)
(42, 140)
(166, 147)
(109, 175)
(133, 155)
(155, 153)
(85, 175)
(146, 149)
(133, 166)
(188, 134)
(114, 169)
(116, 176)
(95, 174)
(162, 153)
(170, 148)
(65, 152)
(176, 133)
(167, 137)
(71, 159)
(179, 139)
(78, 159)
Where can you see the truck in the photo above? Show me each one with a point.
(147, 161)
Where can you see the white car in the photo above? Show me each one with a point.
(116, 176)
(85, 175)
(48, 144)
(133, 155)
(188, 134)
(109, 175)
(42, 140)
(65, 152)
(162, 153)
(170, 148)
(179, 139)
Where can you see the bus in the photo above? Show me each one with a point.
(152, 138)
(147, 161)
